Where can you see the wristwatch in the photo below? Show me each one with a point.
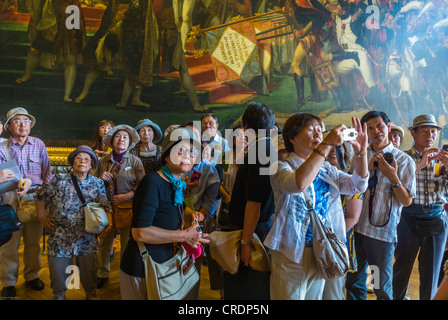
(396, 185)
(246, 242)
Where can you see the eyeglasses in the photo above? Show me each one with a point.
(80, 159)
(209, 123)
(182, 151)
(19, 121)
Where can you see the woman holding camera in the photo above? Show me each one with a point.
(294, 273)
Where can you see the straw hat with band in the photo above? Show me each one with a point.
(425, 120)
(135, 138)
(85, 149)
(18, 111)
(154, 126)
(397, 128)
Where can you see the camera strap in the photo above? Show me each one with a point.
(373, 182)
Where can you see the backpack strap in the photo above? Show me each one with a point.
(7, 151)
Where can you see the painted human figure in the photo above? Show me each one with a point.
(308, 19)
(348, 24)
(183, 17)
(173, 57)
(52, 42)
(121, 44)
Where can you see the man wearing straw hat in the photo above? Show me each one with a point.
(32, 159)
(423, 226)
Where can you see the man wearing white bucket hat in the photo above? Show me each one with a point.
(32, 159)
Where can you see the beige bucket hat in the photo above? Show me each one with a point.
(18, 111)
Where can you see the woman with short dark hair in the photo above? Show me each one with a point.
(294, 273)
(258, 116)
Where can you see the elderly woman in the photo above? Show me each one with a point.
(158, 214)
(68, 240)
(294, 272)
(147, 150)
(121, 172)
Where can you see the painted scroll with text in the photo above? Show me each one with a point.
(234, 53)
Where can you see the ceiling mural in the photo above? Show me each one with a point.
(73, 63)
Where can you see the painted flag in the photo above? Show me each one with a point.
(233, 50)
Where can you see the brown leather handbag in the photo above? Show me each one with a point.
(122, 214)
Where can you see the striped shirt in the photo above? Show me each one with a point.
(385, 202)
(32, 159)
(430, 189)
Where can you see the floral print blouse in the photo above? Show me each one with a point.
(68, 238)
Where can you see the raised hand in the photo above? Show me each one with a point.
(362, 140)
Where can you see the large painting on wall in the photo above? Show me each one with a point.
(75, 63)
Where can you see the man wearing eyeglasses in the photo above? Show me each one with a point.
(212, 141)
(32, 159)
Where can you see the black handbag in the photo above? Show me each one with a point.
(9, 223)
(426, 226)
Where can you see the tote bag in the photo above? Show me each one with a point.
(172, 279)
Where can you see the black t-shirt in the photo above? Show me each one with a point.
(152, 206)
(251, 185)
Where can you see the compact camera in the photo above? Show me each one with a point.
(350, 134)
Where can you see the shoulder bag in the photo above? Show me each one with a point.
(225, 250)
(330, 252)
(9, 223)
(95, 216)
(122, 214)
(172, 279)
